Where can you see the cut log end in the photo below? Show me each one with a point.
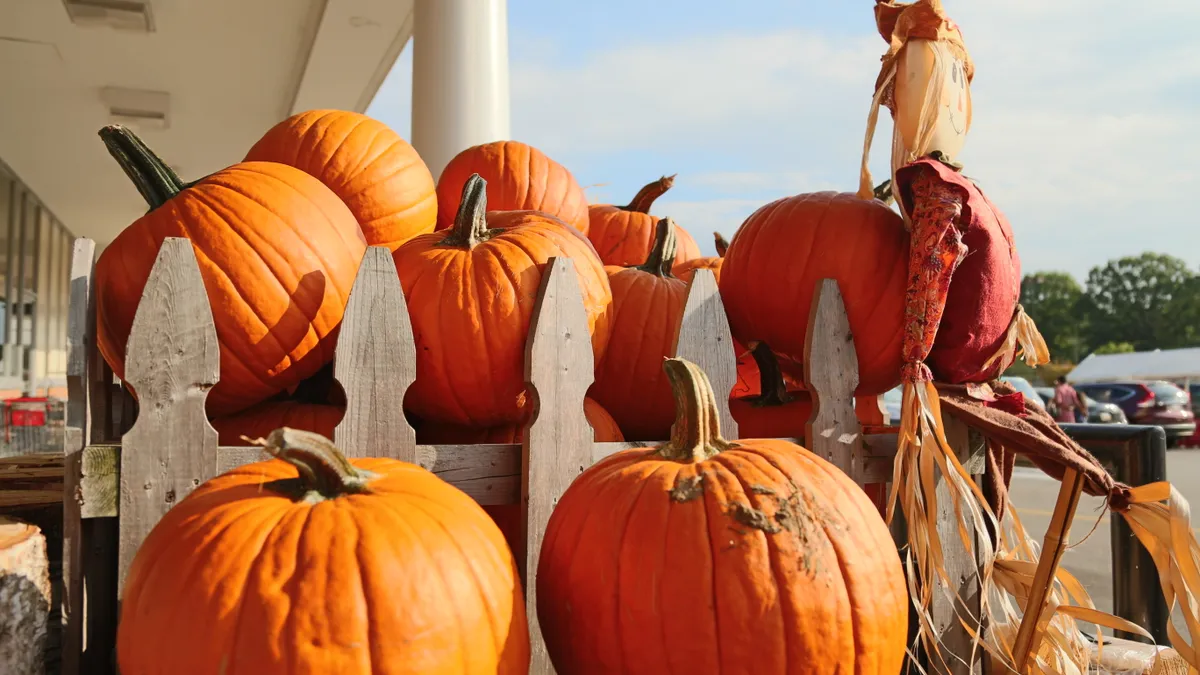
(24, 598)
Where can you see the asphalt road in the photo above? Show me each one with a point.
(1089, 558)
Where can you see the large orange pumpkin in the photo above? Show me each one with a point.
(375, 172)
(260, 420)
(704, 555)
(471, 294)
(519, 178)
(777, 410)
(624, 235)
(278, 252)
(785, 248)
(647, 302)
(686, 269)
(317, 564)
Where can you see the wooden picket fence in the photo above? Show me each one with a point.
(126, 465)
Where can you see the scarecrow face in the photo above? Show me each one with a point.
(926, 67)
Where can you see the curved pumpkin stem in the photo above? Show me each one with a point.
(696, 435)
(662, 256)
(722, 244)
(645, 197)
(470, 224)
(156, 181)
(774, 388)
(325, 472)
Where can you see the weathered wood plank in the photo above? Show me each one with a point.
(558, 443)
(376, 362)
(705, 340)
(172, 363)
(831, 376)
(24, 598)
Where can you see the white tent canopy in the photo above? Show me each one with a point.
(1176, 365)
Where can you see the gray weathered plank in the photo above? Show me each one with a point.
(831, 376)
(705, 340)
(376, 362)
(558, 444)
(172, 362)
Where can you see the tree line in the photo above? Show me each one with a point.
(1136, 303)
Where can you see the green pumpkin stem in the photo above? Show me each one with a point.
(325, 473)
(662, 255)
(156, 181)
(470, 224)
(722, 244)
(696, 434)
(774, 388)
(645, 197)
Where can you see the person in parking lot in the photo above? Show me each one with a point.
(1066, 401)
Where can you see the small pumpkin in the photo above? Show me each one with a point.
(317, 564)
(379, 176)
(519, 178)
(707, 555)
(278, 253)
(471, 294)
(782, 251)
(777, 410)
(687, 268)
(260, 420)
(647, 302)
(624, 235)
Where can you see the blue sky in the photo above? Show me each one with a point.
(1084, 133)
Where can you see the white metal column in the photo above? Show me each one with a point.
(460, 77)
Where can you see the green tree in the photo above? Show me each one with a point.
(1115, 348)
(1052, 299)
(1139, 299)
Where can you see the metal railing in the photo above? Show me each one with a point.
(1134, 455)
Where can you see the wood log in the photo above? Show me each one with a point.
(1126, 657)
(24, 598)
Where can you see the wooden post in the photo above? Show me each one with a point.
(831, 376)
(705, 340)
(24, 598)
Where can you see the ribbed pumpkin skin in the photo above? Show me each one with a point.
(758, 420)
(241, 580)
(519, 178)
(624, 238)
(278, 252)
(260, 420)
(471, 309)
(379, 176)
(786, 247)
(774, 563)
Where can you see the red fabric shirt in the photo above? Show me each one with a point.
(1066, 402)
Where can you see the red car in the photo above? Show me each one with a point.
(1156, 403)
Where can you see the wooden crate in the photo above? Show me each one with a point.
(122, 475)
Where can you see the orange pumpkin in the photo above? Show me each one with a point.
(379, 176)
(312, 563)
(778, 410)
(687, 268)
(624, 235)
(519, 177)
(647, 302)
(278, 252)
(260, 420)
(707, 555)
(782, 251)
(471, 294)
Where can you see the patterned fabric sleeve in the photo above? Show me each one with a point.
(935, 252)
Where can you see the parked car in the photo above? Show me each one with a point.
(1157, 402)
(1027, 390)
(1047, 394)
(1100, 412)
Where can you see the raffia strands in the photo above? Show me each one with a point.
(1024, 341)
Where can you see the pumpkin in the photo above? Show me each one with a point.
(278, 253)
(471, 294)
(706, 555)
(312, 563)
(260, 420)
(379, 176)
(684, 270)
(519, 177)
(784, 249)
(647, 302)
(777, 410)
(624, 235)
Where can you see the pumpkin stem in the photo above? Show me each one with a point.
(325, 472)
(662, 256)
(696, 434)
(774, 389)
(470, 224)
(722, 244)
(156, 181)
(645, 197)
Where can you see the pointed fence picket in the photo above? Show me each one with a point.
(125, 470)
